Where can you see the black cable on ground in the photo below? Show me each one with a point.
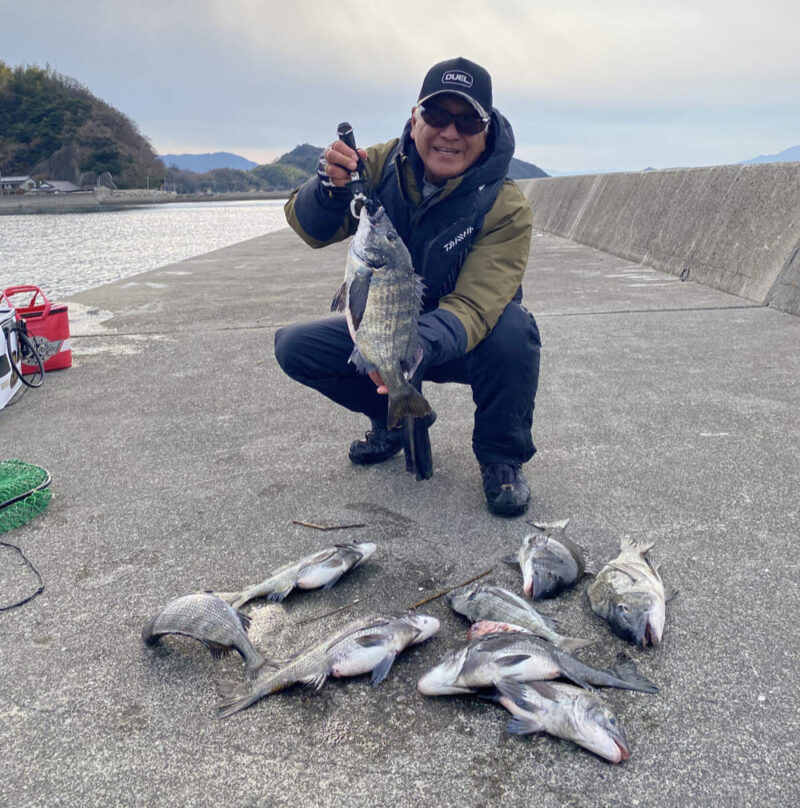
(35, 572)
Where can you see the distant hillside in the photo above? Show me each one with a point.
(53, 127)
(282, 174)
(520, 170)
(792, 154)
(201, 163)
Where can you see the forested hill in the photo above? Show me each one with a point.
(52, 127)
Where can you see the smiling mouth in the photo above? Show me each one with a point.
(445, 150)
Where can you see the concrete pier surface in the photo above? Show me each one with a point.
(181, 454)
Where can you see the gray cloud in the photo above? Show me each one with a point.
(620, 84)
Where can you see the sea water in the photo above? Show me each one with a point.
(66, 253)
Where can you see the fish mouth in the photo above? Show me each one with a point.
(624, 752)
(651, 635)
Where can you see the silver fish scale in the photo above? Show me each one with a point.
(389, 323)
(203, 614)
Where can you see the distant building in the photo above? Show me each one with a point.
(16, 185)
(57, 187)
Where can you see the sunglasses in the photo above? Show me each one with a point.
(441, 118)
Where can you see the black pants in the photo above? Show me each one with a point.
(503, 371)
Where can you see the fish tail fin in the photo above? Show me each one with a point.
(407, 402)
(626, 670)
(235, 697)
(255, 666)
(148, 638)
(570, 644)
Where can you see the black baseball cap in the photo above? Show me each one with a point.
(461, 77)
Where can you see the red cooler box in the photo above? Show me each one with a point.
(47, 324)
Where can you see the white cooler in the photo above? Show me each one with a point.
(9, 380)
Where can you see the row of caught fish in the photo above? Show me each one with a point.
(214, 620)
(627, 592)
(501, 659)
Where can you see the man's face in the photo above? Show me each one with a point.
(446, 153)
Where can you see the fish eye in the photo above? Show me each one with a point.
(391, 235)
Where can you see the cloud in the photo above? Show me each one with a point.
(263, 75)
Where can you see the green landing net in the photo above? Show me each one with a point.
(24, 493)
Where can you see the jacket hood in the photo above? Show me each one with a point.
(491, 166)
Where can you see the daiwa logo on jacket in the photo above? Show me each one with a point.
(458, 239)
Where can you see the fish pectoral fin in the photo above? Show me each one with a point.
(277, 597)
(316, 680)
(245, 620)
(513, 690)
(340, 298)
(371, 640)
(332, 582)
(357, 301)
(523, 725)
(510, 660)
(217, 650)
(670, 593)
(512, 559)
(381, 670)
(591, 569)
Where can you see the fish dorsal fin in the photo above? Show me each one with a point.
(340, 298)
(641, 547)
(357, 299)
(244, 620)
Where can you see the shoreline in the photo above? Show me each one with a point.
(106, 199)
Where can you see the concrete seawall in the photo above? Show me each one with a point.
(82, 201)
(734, 228)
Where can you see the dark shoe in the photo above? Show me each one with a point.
(507, 491)
(378, 445)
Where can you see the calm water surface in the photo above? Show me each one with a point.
(66, 253)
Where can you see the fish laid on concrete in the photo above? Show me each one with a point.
(629, 595)
(364, 645)
(525, 658)
(210, 620)
(381, 296)
(318, 570)
(550, 562)
(486, 602)
(484, 627)
(564, 711)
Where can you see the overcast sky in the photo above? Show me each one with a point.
(586, 84)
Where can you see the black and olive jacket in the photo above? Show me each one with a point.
(469, 241)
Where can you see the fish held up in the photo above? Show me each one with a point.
(382, 297)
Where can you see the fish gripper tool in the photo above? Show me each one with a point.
(358, 184)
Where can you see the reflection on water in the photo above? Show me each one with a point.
(65, 253)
